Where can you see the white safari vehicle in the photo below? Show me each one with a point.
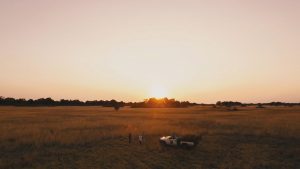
(185, 141)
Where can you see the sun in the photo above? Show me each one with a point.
(158, 91)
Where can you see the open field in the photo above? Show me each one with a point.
(96, 137)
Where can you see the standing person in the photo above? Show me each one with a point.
(129, 138)
(140, 139)
(174, 135)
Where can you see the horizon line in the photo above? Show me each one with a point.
(150, 98)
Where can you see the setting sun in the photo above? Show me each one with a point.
(158, 91)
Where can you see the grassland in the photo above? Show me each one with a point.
(96, 137)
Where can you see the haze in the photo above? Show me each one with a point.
(201, 51)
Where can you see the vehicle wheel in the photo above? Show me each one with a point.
(163, 143)
(184, 145)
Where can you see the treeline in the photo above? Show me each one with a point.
(231, 104)
(50, 102)
(281, 104)
(161, 103)
(148, 103)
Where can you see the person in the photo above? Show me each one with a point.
(129, 138)
(174, 135)
(140, 139)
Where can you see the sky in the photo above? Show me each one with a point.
(201, 51)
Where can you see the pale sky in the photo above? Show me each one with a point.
(201, 51)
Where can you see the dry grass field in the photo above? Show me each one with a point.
(96, 137)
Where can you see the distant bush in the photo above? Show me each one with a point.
(116, 107)
(233, 109)
(259, 105)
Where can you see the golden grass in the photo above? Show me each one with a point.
(96, 137)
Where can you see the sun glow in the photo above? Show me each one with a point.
(158, 91)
